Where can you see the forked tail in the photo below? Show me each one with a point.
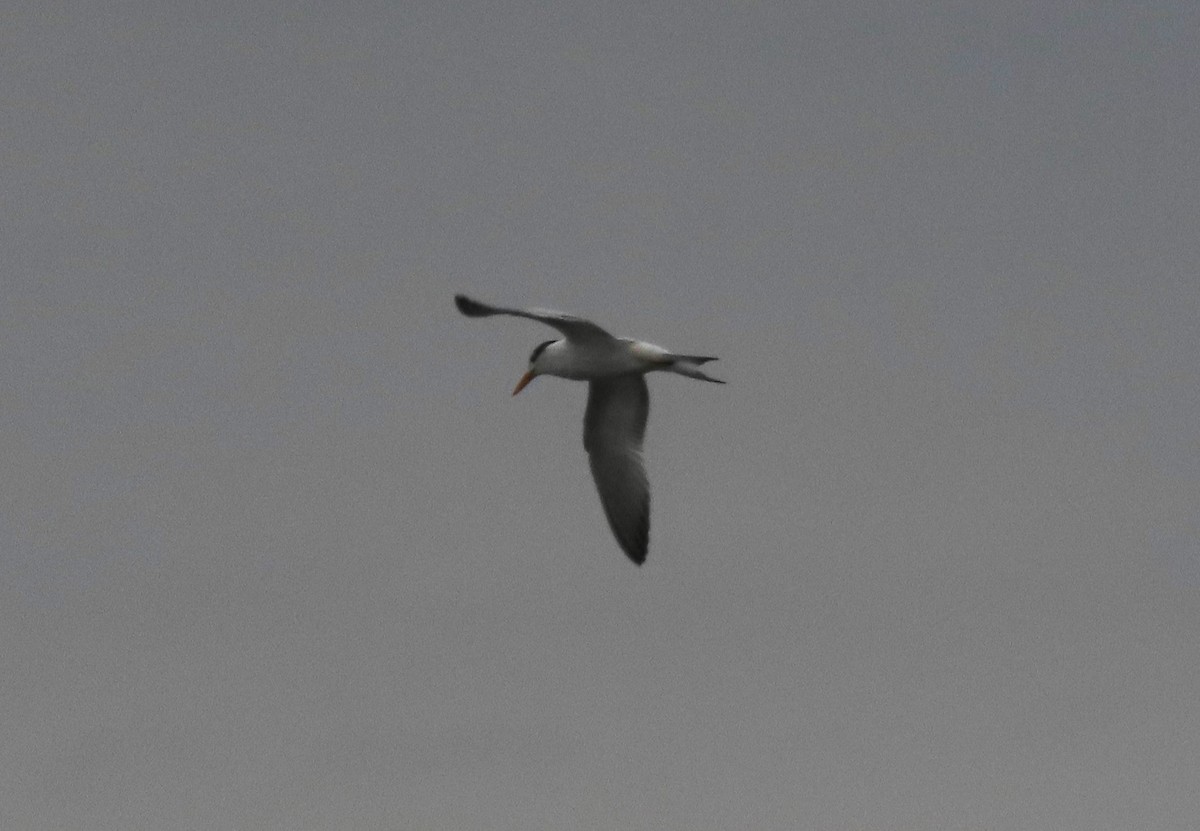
(687, 365)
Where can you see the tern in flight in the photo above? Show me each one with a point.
(617, 407)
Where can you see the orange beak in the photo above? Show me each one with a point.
(525, 379)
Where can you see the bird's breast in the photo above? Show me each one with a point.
(591, 361)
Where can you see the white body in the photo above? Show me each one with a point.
(621, 357)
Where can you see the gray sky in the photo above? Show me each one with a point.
(281, 552)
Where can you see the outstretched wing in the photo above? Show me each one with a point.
(575, 328)
(613, 427)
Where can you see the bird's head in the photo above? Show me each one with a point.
(536, 368)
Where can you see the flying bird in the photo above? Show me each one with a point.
(617, 407)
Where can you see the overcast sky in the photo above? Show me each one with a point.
(280, 551)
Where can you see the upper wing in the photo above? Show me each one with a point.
(613, 427)
(575, 328)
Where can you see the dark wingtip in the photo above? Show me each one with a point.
(469, 307)
(637, 547)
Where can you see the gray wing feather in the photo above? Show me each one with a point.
(613, 427)
(575, 328)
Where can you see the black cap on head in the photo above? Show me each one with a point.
(537, 350)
